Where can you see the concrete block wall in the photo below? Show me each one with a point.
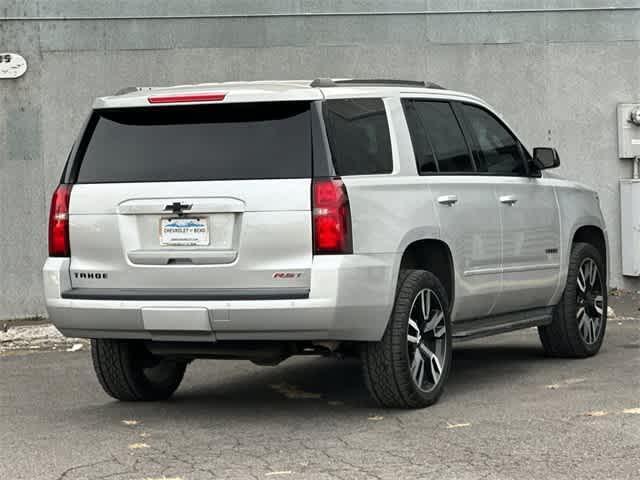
(555, 69)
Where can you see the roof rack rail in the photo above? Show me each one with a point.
(124, 91)
(329, 82)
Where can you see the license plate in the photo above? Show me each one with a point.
(184, 231)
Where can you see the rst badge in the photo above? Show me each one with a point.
(12, 65)
(286, 275)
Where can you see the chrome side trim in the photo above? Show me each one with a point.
(517, 268)
(482, 271)
(528, 268)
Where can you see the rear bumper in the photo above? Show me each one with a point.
(350, 298)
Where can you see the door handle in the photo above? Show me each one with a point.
(447, 199)
(508, 199)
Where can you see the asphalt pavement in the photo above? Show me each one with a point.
(508, 413)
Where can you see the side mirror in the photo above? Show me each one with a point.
(545, 157)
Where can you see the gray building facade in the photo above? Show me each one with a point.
(555, 69)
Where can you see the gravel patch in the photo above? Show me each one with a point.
(38, 337)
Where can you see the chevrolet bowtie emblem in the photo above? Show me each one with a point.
(177, 208)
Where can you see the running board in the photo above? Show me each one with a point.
(508, 322)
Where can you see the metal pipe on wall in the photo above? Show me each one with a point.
(323, 14)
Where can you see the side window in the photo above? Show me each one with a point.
(358, 134)
(436, 133)
(425, 159)
(497, 151)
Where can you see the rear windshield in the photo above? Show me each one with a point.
(211, 142)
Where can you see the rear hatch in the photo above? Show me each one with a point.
(193, 201)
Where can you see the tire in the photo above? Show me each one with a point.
(391, 366)
(128, 372)
(580, 319)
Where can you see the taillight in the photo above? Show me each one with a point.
(331, 217)
(59, 222)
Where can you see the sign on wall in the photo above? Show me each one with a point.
(12, 65)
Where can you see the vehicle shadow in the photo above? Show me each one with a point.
(303, 385)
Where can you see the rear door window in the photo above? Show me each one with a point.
(358, 134)
(201, 142)
(438, 141)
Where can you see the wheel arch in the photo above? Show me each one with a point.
(593, 235)
(435, 256)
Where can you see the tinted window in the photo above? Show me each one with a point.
(212, 142)
(443, 134)
(358, 134)
(422, 149)
(497, 150)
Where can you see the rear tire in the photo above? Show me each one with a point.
(409, 366)
(127, 371)
(580, 319)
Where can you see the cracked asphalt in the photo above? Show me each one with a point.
(508, 412)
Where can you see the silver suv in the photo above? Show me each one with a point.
(262, 220)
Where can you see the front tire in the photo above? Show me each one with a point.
(409, 366)
(127, 371)
(580, 319)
